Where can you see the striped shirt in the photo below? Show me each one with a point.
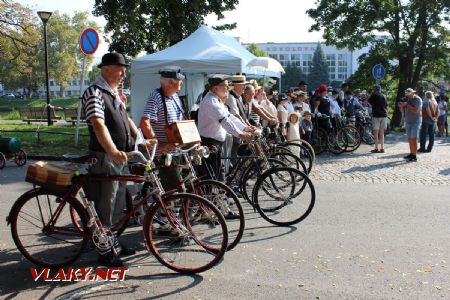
(250, 112)
(93, 102)
(154, 110)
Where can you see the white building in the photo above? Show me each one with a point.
(342, 63)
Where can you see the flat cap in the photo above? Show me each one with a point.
(216, 79)
(173, 72)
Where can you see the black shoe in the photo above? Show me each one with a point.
(413, 158)
(421, 150)
(408, 156)
(428, 150)
(237, 192)
(126, 251)
(232, 216)
(110, 260)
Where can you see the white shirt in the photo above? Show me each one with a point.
(334, 106)
(214, 120)
(269, 107)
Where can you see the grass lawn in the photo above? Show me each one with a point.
(52, 141)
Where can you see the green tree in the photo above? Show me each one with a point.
(21, 57)
(319, 69)
(292, 76)
(153, 25)
(255, 50)
(418, 32)
(65, 55)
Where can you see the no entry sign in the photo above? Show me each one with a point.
(89, 41)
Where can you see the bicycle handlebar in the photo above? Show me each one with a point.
(141, 156)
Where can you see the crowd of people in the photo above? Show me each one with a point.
(230, 109)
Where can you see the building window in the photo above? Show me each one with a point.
(306, 63)
(274, 56)
(331, 62)
(342, 66)
(86, 82)
(281, 49)
(52, 83)
(68, 93)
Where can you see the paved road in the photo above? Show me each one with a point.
(379, 230)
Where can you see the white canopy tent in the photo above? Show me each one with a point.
(206, 51)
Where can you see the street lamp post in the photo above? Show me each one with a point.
(45, 15)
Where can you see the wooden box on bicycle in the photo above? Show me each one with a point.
(53, 177)
(183, 133)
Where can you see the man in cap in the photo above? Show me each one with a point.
(350, 105)
(413, 120)
(215, 121)
(163, 107)
(110, 136)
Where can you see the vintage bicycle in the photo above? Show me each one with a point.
(49, 234)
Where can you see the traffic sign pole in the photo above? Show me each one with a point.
(89, 42)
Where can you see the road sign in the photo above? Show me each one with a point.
(89, 41)
(378, 72)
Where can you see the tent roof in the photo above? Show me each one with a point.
(204, 51)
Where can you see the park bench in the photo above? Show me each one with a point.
(70, 114)
(36, 114)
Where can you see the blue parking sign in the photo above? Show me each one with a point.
(378, 72)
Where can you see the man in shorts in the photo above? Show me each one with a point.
(379, 115)
(413, 121)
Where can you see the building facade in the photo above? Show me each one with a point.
(342, 63)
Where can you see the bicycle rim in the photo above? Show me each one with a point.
(353, 137)
(284, 205)
(187, 234)
(45, 244)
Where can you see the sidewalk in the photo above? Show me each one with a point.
(389, 167)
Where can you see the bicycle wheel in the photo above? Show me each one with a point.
(251, 174)
(290, 159)
(185, 232)
(228, 204)
(43, 231)
(353, 137)
(284, 205)
(367, 134)
(20, 158)
(319, 140)
(306, 153)
(117, 228)
(2, 161)
(337, 143)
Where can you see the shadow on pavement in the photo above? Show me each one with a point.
(374, 167)
(270, 232)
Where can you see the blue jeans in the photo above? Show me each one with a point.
(430, 129)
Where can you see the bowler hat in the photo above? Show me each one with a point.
(173, 72)
(113, 58)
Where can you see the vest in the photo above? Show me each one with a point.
(116, 120)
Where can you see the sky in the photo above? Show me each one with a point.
(257, 21)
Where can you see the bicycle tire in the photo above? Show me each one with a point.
(208, 234)
(290, 159)
(118, 229)
(226, 201)
(353, 137)
(2, 160)
(307, 154)
(337, 143)
(20, 158)
(250, 176)
(367, 134)
(279, 210)
(27, 222)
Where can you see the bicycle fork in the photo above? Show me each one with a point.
(103, 238)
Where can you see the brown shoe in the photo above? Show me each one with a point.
(381, 151)
(374, 151)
